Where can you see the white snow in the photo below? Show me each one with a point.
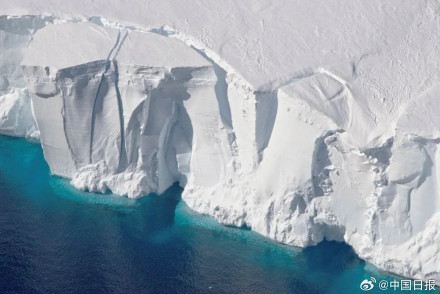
(15, 108)
(302, 120)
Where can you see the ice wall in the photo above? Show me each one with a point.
(125, 111)
(329, 152)
(15, 108)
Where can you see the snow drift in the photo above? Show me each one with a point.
(338, 141)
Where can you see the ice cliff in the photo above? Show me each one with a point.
(300, 129)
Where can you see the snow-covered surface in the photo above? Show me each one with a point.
(15, 106)
(302, 120)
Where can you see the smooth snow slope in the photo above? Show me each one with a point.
(302, 120)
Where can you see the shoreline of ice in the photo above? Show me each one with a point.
(297, 160)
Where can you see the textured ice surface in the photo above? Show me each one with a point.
(301, 120)
(15, 108)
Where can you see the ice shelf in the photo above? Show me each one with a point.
(303, 121)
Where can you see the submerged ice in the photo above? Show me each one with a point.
(343, 151)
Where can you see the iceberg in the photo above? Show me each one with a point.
(300, 128)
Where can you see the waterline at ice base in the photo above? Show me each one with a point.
(57, 239)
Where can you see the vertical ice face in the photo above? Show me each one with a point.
(132, 112)
(333, 153)
(15, 107)
(68, 83)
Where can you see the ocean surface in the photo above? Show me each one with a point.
(54, 239)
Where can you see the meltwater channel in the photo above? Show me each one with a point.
(54, 239)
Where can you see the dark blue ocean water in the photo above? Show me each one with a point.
(54, 239)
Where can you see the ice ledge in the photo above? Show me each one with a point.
(297, 161)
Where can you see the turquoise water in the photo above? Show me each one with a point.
(54, 239)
